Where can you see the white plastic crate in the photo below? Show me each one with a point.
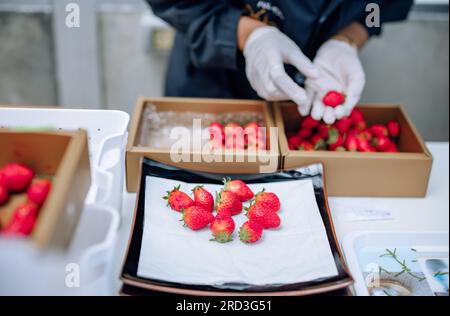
(26, 270)
(107, 132)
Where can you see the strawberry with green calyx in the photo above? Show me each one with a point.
(358, 120)
(250, 232)
(379, 130)
(197, 217)
(351, 142)
(381, 143)
(305, 146)
(222, 229)
(264, 215)
(178, 200)
(334, 99)
(293, 141)
(318, 142)
(240, 188)
(335, 140)
(203, 198)
(270, 199)
(228, 202)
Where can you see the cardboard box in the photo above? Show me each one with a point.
(64, 157)
(225, 163)
(404, 174)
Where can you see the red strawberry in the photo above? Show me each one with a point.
(335, 140)
(238, 187)
(250, 232)
(382, 143)
(263, 214)
(358, 119)
(270, 199)
(196, 217)
(351, 142)
(18, 177)
(23, 220)
(3, 181)
(305, 134)
(318, 142)
(203, 198)
(228, 203)
(393, 128)
(38, 191)
(178, 200)
(4, 195)
(334, 99)
(324, 130)
(365, 134)
(252, 130)
(343, 125)
(234, 136)
(293, 141)
(365, 146)
(305, 146)
(217, 131)
(392, 149)
(309, 123)
(379, 130)
(222, 229)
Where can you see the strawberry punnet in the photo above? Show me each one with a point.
(334, 99)
(38, 191)
(222, 229)
(178, 200)
(264, 214)
(203, 198)
(228, 202)
(270, 199)
(22, 220)
(18, 177)
(240, 188)
(250, 232)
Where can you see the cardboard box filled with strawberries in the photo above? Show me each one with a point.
(44, 179)
(375, 151)
(204, 135)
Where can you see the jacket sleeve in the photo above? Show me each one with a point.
(209, 27)
(390, 11)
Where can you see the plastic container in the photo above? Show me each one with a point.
(85, 269)
(107, 132)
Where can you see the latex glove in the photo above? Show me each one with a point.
(266, 51)
(340, 70)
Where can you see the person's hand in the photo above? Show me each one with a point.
(340, 70)
(266, 51)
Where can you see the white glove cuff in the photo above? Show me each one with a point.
(256, 36)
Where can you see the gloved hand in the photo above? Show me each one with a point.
(340, 70)
(266, 51)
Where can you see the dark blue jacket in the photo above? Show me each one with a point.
(205, 60)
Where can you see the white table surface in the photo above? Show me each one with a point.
(409, 214)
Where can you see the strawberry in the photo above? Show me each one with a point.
(252, 130)
(365, 134)
(379, 130)
(38, 191)
(324, 130)
(381, 143)
(234, 136)
(392, 149)
(217, 131)
(263, 214)
(250, 232)
(358, 119)
(22, 220)
(3, 181)
(393, 128)
(222, 229)
(335, 141)
(4, 195)
(270, 199)
(178, 200)
(343, 125)
(365, 146)
(203, 198)
(318, 142)
(197, 217)
(228, 203)
(351, 142)
(334, 99)
(238, 187)
(293, 141)
(305, 146)
(305, 134)
(18, 177)
(309, 123)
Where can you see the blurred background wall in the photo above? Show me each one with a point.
(120, 52)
